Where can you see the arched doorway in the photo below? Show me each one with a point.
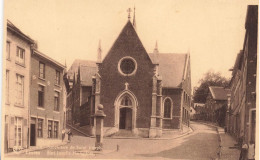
(125, 111)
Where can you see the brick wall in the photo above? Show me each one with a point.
(112, 82)
(175, 95)
(47, 112)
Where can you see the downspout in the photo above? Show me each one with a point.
(181, 110)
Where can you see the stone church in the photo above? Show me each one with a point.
(142, 93)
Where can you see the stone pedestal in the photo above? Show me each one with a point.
(99, 129)
(152, 132)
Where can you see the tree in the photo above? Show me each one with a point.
(210, 78)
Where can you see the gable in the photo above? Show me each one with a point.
(127, 44)
(219, 93)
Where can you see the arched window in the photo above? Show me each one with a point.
(126, 101)
(167, 108)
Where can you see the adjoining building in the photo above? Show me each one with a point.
(17, 86)
(241, 113)
(47, 100)
(79, 86)
(216, 104)
(142, 93)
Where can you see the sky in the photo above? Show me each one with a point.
(212, 31)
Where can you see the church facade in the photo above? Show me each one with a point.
(142, 93)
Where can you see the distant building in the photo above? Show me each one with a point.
(216, 100)
(241, 113)
(47, 104)
(79, 92)
(17, 86)
(142, 93)
(200, 109)
(192, 113)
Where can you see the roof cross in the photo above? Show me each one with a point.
(129, 11)
(126, 86)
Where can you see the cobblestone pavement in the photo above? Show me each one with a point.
(200, 144)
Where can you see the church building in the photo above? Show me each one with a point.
(142, 93)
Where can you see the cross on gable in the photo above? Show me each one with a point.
(129, 11)
(126, 86)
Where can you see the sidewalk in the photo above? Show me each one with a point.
(33, 148)
(228, 151)
(227, 143)
(166, 135)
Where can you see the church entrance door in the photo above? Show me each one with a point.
(125, 119)
(125, 111)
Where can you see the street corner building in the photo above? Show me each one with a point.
(142, 93)
(34, 94)
(17, 87)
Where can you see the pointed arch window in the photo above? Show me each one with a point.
(126, 101)
(167, 108)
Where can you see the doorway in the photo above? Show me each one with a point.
(125, 119)
(32, 138)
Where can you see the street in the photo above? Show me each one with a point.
(202, 143)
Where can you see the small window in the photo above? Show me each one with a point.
(56, 129)
(42, 70)
(41, 96)
(40, 123)
(20, 56)
(8, 44)
(167, 108)
(49, 129)
(56, 101)
(57, 78)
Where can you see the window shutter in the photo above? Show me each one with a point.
(12, 133)
(24, 132)
(25, 122)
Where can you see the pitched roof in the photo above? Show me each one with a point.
(42, 55)
(219, 93)
(171, 68)
(86, 73)
(87, 70)
(14, 29)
